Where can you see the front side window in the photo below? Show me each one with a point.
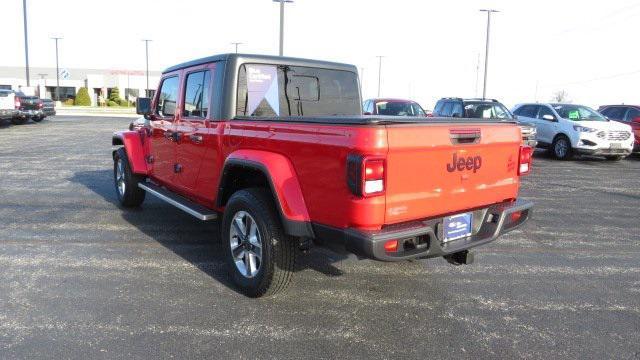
(168, 97)
(544, 110)
(632, 114)
(196, 94)
(615, 113)
(282, 90)
(577, 113)
(527, 111)
(446, 109)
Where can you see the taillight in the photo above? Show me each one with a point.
(40, 105)
(16, 102)
(526, 156)
(365, 175)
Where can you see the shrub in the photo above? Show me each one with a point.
(112, 103)
(82, 98)
(68, 102)
(124, 102)
(114, 95)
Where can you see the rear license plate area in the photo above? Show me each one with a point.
(457, 226)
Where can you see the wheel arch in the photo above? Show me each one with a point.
(134, 146)
(254, 168)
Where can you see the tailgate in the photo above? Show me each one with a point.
(7, 101)
(435, 169)
(30, 103)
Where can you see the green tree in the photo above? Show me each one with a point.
(82, 97)
(114, 95)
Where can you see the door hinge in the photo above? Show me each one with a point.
(149, 159)
(177, 168)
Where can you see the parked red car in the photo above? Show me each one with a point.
(278, 147)
(628, 114)
(393, 107)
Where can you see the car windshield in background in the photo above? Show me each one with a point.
(398, 108)
(578, 113)
(486, 111)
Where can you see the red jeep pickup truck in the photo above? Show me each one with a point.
(279, 149)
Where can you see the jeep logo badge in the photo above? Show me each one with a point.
(461, 163)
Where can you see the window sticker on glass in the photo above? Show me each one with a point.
(262, 84)
(573, 115)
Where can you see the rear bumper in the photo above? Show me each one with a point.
(8, 113)
(30, 113)
(426, 236)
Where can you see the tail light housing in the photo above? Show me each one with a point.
(366, 175)
(40, 104)
(525, 159)
(16, 103)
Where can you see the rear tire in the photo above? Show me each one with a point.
(561, 148)
(614, 157)
(126, 182)
(260, 256)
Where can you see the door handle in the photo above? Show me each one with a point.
(195, 138)
(172, 135)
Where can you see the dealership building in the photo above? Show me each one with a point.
(99, 82)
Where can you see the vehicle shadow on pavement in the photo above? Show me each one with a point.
(195, 241)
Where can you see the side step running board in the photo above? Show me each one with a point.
(178, 201)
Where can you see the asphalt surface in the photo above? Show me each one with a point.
(80, 278)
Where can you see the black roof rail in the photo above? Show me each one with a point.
(452, 98)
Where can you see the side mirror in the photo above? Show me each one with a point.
(143, 106)
(549, 117)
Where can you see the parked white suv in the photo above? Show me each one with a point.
(567, 129)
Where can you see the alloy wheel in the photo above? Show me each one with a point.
(246, 244)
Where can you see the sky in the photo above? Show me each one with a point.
(431, 49)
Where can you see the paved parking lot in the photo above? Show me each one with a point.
(81, 278)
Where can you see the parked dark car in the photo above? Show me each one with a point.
(628, 114)
(483, 109)
(48, 107)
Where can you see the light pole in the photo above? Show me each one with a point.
(57, 70)
(26, 39)
(236, 44)
(282, 23)
(146, 53)
(486, 51)
(379, 72)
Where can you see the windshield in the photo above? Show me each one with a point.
(486, 111)
(399, 108)
(577, 113)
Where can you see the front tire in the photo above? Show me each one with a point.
(260, 256)
(126, 182)
(561, 148)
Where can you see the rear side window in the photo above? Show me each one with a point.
(280, 90)
(615, 113)
(168, 97)
(196, 94)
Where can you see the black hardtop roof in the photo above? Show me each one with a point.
(266, 59)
